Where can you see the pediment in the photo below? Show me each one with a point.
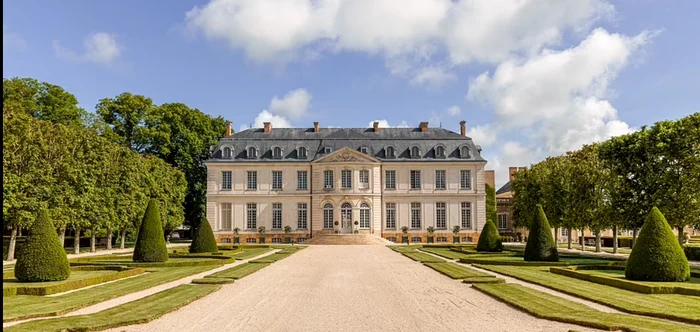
(347, 155)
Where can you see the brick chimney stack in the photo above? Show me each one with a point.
(463, 128)
(423, 127)
(316, 126)
(490, 178)
(512, 171)
(376, 126)
(229, 129)
(268, 127)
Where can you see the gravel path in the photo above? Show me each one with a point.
(348, 288)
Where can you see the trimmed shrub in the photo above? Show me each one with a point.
(150, 244)
(692, 253)
(203, 239)
(657, 255)
(540, 246)
(489, 240)
(42, 257)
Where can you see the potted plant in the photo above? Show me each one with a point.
(236, 238)
(430, 230)
(356, 223)
(336, 223)
(456, 230)
(287, 230)
(404, 230)
(262, 230)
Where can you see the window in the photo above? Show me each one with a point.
(328, 179)
(363, 149)
(415, 179)
(301, 216)
(327, 150)
(227, 153)
(392, 239)
(251, 216)
(276, 180)
(301, 240)
(441, 215)
(464, 152)
(276, 240)
(466, 215)
(390, 152)
(502, 221)
(390, 180)
(417, 239)
(364, 179)
(277, 152)
(346, 179)
(302, 153)
(346, 213)
(302, 180)
(226, 216)
(390, 215)
(364, 215)
(415, 215)
(276, 215)
(252, 180)
(565, 232)
(440, 152)
(465, 181)
(415, 152)
(252, 152)
(225, 240)
(441, 239)
(250, 240)
(440, 180)
(226, 180)
(328, 216)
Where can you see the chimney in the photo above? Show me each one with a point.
(490, 178)
(316, 127)
(423, 127)
(463, 128)
(512, 171)
(228, 128)
(268, 127)
(376, 126)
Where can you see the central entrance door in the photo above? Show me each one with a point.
(346, 218)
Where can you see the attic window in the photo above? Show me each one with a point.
(464, 152)
(415, 152)
(363, 149)
(226, 154)
(277, 152)
(302, 153)
(252, 152)
(327, 150)
(390, 152)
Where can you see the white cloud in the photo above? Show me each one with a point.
(432, 77)
(294, 104)
(454, 110)
(98, 47)
(385, 124)
(484, 135)
(12, 41)
(265, 116)
(511, 154)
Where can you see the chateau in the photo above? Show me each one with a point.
(300, 183)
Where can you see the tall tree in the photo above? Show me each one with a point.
(491, 213)
(126, 114)
(42, 100)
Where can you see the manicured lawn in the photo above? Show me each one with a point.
(74, 275)
(692, 283)
(456, 271)
(239, 271)
(405, 248)
(445, 252)
(543, 305)
(136, 312)
(671, 306)
(270, 258)
(518, 260)
(576, 246)
(422, 257)
(251, 252)
(25, 306)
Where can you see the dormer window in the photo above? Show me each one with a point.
(302, 153)
(363, 149)
(464, 152)
(252, 152)
(327, 150)
(440, 152)
(227, 153)
(390, 152)
(277, 152)
(415, 152)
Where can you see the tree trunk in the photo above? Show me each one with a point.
(109, 239)
(568, 238)
(62, 236)
(634, 237)
(556, 236)
(76, 241)
(597, 240)
(92, 240)
(583, 239)
(123, 238)
(615, 239)
(680, 235)
(11, 246)
(19, 231)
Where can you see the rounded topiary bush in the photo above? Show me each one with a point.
(540, 244)
(42, 257)
(150, 243)
(203, 239)
(657, 255)
(489, 240)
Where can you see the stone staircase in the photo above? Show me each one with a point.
(347, 239)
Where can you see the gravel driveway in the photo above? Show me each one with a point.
(348, 288)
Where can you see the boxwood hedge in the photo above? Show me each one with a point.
(540, 244)
(150, 243)
(203, 239)
(42, 257)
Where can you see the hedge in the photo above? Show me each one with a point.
(228, 247)
(213, 260)
(213, 281)
(540, 245)
(203, 239)
(523, 262)
(122, 272)
(42, 257)
(692, 253)
(150, 243)
(489, 240)
(623, 283)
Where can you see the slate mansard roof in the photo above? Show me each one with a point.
(316, 144)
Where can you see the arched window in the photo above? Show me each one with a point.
(252, 152)
(464, 152)
(227, 153)
(277, 152)
(346, 214)
(364, 215)
(415, 152)
(302, 152)
(390, 152)
(328, 216)
(440, 152)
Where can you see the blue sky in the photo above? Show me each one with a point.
(531, 78)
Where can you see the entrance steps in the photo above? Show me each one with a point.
(347, 239)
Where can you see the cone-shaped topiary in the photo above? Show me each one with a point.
(150, 243)
(203, 239)
(657, 255)
(540, 244)
(489, 240)
(42, 258)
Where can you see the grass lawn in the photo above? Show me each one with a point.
(238, 271)
(25, 306)
(136, 312)
(445, 252)
(251, 252)
(456, 271)
(543, 305)
(518, 260)
(576, 246)
(74, 275)
(270, 258)
(670, 306)
(405, 248)
(693, 283)
(422, 257)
